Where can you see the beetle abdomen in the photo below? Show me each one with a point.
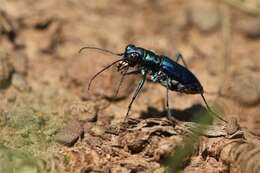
(181, 79)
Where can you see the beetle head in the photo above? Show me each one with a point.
(133, 55)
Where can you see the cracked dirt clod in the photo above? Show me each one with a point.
(6, 70)
(69, 134)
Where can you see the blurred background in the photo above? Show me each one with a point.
(43, 79)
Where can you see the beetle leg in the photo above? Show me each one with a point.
(121, 81)
(169, 115)
(167, 103)
(123, 76)
(137, 91)
(138, 71)
(178, 57)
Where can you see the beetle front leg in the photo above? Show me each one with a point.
(124, 73)
(120, 83)
(138, 71)
(137, 91)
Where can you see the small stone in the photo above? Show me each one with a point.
(20, 62)
(232, 126)
(137, 146)
(11, 98)
(19, 82)
(249, 26)
(205, 15)
(244, 89)
(69, 134)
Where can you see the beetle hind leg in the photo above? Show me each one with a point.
(169, 115)
(180, 57)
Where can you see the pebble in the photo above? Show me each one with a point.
(69, 134)
(12, 97)
(249, 26)
(243, 88)
(137, 146)
(205, 15)
(20, 62)
(232, 126)
(19, 82)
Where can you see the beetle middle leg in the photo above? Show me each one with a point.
(169, 115)
(167, 103)
(178, 57)
(137, 91)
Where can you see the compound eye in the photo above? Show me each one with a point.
(134, 55)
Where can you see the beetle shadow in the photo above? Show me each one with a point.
(189, 114)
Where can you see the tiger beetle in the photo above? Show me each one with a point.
(159, 69)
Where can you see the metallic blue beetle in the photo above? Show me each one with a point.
(158, 68)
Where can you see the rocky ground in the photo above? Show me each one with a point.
(50, 122)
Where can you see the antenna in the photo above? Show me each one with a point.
(100, 49)
(102, 71)
(211, 109)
